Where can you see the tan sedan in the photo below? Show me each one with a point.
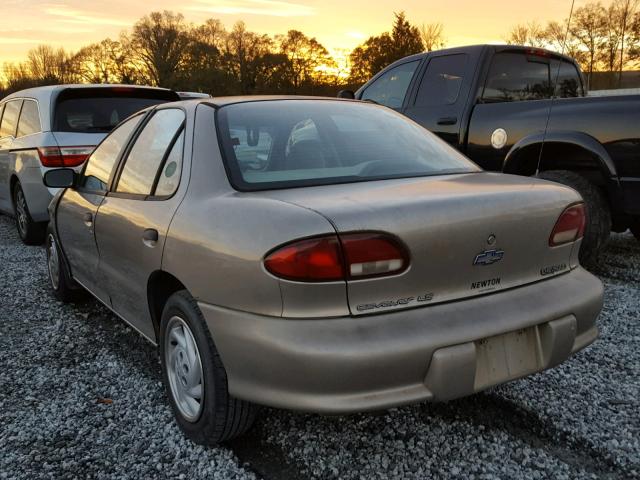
(321, 255)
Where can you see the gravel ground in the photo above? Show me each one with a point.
(81, 396)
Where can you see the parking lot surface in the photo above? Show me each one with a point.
(81, 396)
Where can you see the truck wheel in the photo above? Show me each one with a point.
(195, 378)
(31, 233)
(635, 227)
(598, 228)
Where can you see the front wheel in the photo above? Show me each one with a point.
(195, 378)
(598, 228)
(31, 232)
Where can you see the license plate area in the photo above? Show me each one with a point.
(507, 356)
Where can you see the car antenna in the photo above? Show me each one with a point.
(555, 83)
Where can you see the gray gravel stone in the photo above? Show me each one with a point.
(81, 396)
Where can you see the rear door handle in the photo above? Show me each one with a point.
(87, 218)
(150, 237)
(447, 121)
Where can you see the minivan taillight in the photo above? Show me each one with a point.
(64, 156)
(331, 258)
(570, 226)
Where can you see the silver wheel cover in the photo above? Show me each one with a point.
(184, 369)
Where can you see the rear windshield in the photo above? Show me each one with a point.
(99, 110)
(290, 143)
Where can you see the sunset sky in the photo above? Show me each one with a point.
(338, 24)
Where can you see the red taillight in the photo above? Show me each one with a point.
(64, 156)
(311, 260)
(373, 254)
(570, 226)
(324, 259)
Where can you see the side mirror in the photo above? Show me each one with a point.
(60, 178)
(347, 94)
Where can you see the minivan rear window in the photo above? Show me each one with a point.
(292, 143)
(98, 110)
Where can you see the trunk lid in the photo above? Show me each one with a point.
(467, 235)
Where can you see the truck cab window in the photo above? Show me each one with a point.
(442, 80)
(569, 84)
(515, 77)
(390, 88)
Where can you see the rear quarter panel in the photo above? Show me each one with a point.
(219, 237)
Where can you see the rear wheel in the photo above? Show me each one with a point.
(62, 285)
(195, 378)
(598, 226)
(31, 233)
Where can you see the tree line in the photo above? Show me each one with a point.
(163, 49)
(601, 38)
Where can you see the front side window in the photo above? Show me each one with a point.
(442, 81)
(10, 119)
(390, 88)
(515, 77)
(29, 119)
(101, 162)
(149, 152)
(319, 142)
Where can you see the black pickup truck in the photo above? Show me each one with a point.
(525, 111)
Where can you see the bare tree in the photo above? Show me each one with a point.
(45, 62)
(531, 34)
(161, 40)
(627, 10)
(432, 35)
(588, 27)
(611, 38)
(306, 55)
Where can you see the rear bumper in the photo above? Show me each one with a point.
(373, 362)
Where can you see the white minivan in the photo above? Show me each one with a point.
(52, 127)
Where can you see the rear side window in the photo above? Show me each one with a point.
(10, 119)
(569, 84)
(101, 109)
(101, 162)
(29, 119)
(170, 174)
(442, 80)
(515, 77)
(390, 88)
(149, 152)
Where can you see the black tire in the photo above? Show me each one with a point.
(62, 285)
(221, 417)
(31, 232)
(635, 227)
(598, 228)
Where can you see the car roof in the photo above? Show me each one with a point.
(222, 101)
(496, 47)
